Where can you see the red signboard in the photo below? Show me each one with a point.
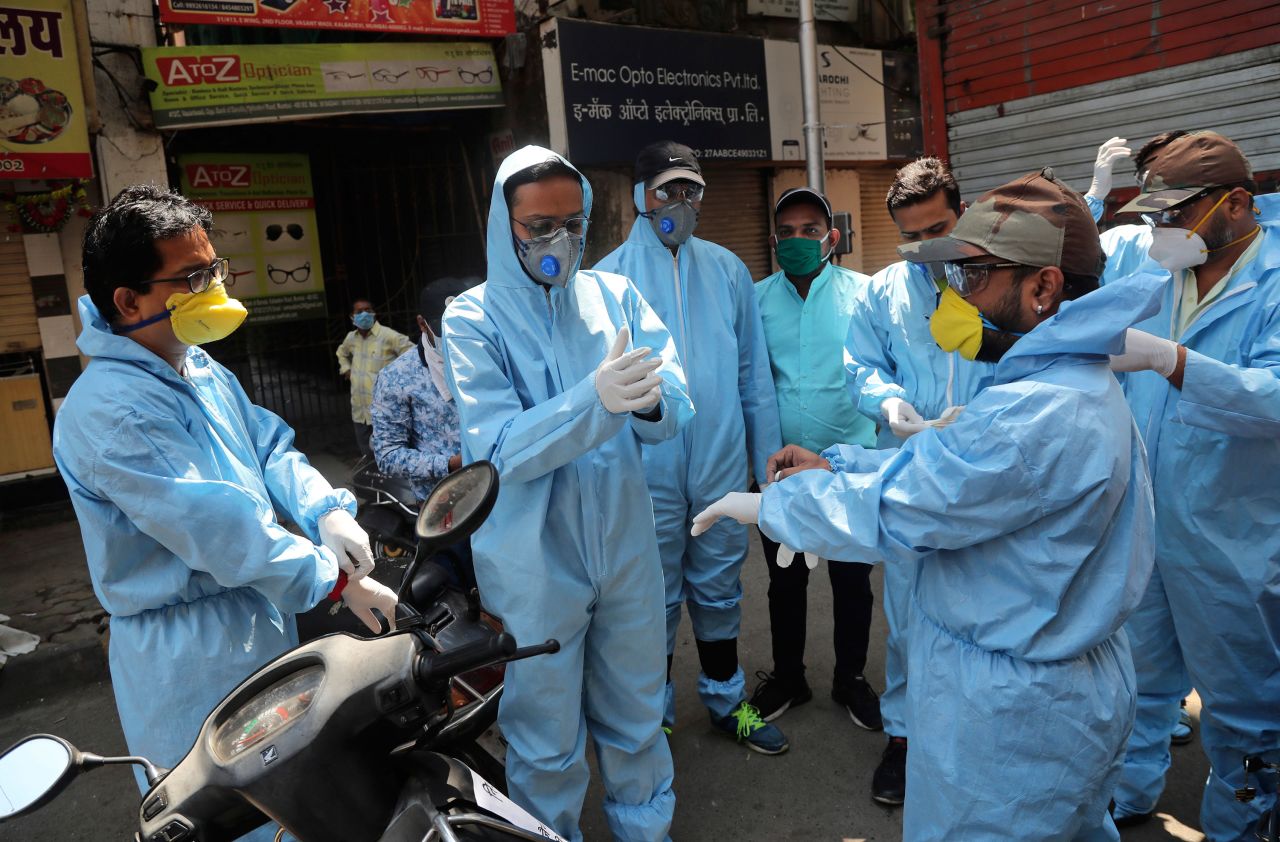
(485, 18)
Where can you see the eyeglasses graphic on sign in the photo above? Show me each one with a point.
(476, 77)
(232, 277)
(223, 235)
(386, 76)
(432, 74)
(341, 75)
(300, 274)
(274, 231)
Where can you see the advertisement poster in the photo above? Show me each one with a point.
(264, 220)
(832, 10)
(611, 90)
(43, 129)
(484, 18)
(869, 100)
(209, 86)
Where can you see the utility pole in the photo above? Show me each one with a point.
(815, 170)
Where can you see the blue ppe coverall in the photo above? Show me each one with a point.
(890, 353)
(1029, 522)
(1214, 448)
(704, 294)
(164, 469)
(569, 551)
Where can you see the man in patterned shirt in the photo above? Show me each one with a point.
(415, 421)
(364, 353)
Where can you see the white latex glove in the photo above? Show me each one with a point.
(739, 505)
(1142, 351)
(903, 419)
(948, 415)
(627, 382)
(360, 595)
(346, 540)
(1108, 153)
(786, 555)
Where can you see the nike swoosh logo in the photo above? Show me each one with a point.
(673, 159)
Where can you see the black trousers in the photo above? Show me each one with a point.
(788, 613)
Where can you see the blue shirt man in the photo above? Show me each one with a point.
(704, 294)
(805, 309)
(537, 363)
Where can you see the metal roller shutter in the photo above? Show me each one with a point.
(18, 328)
(735, 214)
(879, 235)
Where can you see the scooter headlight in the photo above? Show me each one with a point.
(268, 713)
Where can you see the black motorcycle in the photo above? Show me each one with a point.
(388, 511)
(343, 739)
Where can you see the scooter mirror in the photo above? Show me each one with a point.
(33, 770)
(458, 504)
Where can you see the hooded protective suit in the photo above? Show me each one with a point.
(890, 353)
(1214, 449)
(705, 295)
(569, 551)
(1029, 524)
(163, 468)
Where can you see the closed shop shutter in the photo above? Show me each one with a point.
(735, 214)
(18, 329)
(879, 235)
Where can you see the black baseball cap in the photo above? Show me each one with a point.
(802, 195)
(666, 161)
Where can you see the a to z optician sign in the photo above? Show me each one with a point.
(264, 221)
(206, 86)
(611, 90)
(486, 18)
(43, 133)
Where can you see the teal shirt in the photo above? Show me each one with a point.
(806, 353)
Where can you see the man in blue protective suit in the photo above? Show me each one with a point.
(1028, 521)
(546, 389)
(895, 371)
(704, 294)
(1205, 390)
(166, 458)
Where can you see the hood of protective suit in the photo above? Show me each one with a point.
(504, 266)
(1085, 330)
(97, 340)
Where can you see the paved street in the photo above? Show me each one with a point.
(817, 791)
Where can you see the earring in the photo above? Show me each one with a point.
(1039, 309)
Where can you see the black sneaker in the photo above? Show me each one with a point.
(889, 783)
(774, 696)
(860, 701)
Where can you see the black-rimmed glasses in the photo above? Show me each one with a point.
(470, 77)
(300, 274)
(199, 280)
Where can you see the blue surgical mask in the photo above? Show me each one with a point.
(673, 223)
(551, 260)
(364, 320)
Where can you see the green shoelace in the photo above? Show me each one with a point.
(749, 720)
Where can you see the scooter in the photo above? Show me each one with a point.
(1268, 827)
(343, 739)
(387, 512)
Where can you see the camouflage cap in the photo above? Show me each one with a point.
(1035, 220)
(1186, 165)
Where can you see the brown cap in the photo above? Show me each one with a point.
(1035, 220)
(1186, 165)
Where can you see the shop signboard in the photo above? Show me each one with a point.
(43, 128)
(845, 11)
(869, 101)
(264, 220)
(483, 18)
(211, 85)
(611, 90)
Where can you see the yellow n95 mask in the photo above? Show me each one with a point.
(198, 317)
(957, 325)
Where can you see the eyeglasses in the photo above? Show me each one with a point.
(384, 75)
(1176, 214)
(274, 231)
(223, 234)
(432, 74)
(539, 228)
(199, 280)
(970, 278)
(482, 77)
(300, 274)
(234, 276)
(342, 75)
(679, 192)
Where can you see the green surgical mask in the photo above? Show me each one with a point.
(800, 256)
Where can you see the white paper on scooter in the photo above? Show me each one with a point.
(489, 797)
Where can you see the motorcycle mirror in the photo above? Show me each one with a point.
(458, 504)
(34, 770)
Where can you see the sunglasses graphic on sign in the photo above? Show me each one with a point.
(274, 231)
(300, 274)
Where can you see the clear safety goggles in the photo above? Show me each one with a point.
(969, 278)
(679, 191)
(544, 227)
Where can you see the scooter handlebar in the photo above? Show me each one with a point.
(441, 667)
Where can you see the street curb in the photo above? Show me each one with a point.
(53, 668)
